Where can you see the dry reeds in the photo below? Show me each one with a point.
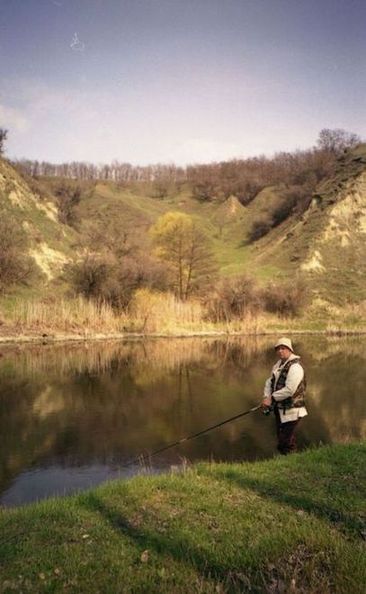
(70, 316)
(154, 312)
(162, 313)
(149, 313)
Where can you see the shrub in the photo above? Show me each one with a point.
(233, 298)
(295, 199)
(90, 275)
(260, 228)
(15, 265)
(68, 197)
(285, 298)
(114, 281)
(283, 210)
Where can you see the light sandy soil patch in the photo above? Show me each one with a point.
(16, 199)
(348, 215)
(314, 263)
(50, 261)
(49, 210)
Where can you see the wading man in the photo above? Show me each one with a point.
(284, 391)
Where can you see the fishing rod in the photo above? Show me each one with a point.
(189, 437)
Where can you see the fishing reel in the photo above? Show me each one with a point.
(267, 410)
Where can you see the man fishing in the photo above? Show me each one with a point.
(284, 393)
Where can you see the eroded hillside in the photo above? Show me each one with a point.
(327, 243)
(49, 242)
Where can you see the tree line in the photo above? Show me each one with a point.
(115, 171)
(243, 178)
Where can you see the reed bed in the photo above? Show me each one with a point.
(71, 316)
(348, 319)
(162, 313)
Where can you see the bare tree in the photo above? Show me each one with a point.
(337, 140)
(3, 137)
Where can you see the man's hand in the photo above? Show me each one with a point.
(266, 402)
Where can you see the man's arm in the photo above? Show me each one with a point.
(294, 377)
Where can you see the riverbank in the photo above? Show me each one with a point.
(159, 315)
(294, 524)
(36, 338)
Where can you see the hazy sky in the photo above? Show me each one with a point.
(178, 80)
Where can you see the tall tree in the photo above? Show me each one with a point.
(183, 245)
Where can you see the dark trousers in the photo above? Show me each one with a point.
(285, 435)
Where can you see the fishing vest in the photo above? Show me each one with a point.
(297, 399)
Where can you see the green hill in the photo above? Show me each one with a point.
(324, 244)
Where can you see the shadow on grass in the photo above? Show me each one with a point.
(177, 547)
(299, 496)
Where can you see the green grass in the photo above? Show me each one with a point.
(285, 525)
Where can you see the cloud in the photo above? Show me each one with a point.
(57, 124)
(13, 118)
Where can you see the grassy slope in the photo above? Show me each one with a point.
(283, 525)
(226, 230)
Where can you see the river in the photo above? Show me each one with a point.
(72, 415)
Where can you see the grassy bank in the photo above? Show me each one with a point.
(291, 524)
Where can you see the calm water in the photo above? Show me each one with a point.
(71, 416)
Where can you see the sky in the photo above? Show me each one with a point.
(178, 81)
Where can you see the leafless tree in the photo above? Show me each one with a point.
(3, 137)
(337, 140)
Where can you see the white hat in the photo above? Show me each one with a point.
(284, 342)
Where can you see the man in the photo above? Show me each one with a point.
(285, 391)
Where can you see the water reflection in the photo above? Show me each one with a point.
(72, 415)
